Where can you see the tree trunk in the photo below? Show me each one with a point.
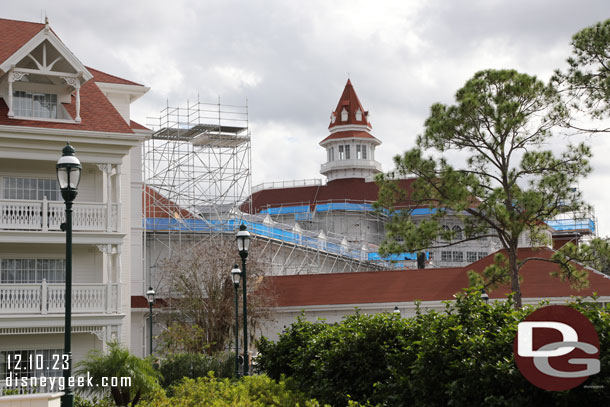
(514, 277)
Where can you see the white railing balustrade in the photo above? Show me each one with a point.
(49, 215)
(50, 298)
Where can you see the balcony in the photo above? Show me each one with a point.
(49, 215)
(350, 164)
(47, 298)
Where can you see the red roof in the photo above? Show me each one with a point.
(348, 134)
(107, 78)
(349, 101)
(354, 190)
(137, 126)
(97, 113)
(155, 205)
(139, 301)
(424, 285)
(14, 34)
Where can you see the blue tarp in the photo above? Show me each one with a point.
(200, 225)
(282, 210)
(343, 206)
(395, 257)
(572, 224)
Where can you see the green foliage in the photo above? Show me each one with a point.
(507, 184)
(181, 337)
(460, 357)
(93, 402)
(250, 391)
(118, 362)
(193, 365)
(588, 75)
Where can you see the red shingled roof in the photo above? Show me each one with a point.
(14, 34)
(155, 205)
(107, 78)
(354, 190)
(349, 101)
(96, 111)
(423, 285)
(139, 301)
(348, 134)
(137, 126)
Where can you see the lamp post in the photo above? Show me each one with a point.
(68, 175)
(236, 276)
(243, 244)
(150, 294)
(396, 310)
(484, 296)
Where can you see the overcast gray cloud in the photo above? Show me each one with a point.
(291, 59)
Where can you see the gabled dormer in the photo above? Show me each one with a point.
(40, 77)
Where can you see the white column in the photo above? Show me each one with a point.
(43, 296)
(106, 169)
(106, 249)
(45, 214)
(77, 118)
(117, 184)
(10, 95)
(108, 199)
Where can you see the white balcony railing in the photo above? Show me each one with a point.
(47, 298)
(49, 215)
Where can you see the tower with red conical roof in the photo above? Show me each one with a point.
(350, 147)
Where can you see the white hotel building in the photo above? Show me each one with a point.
(49, 98)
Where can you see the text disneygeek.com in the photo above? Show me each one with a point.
(78, 381)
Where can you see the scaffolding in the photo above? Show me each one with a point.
(196, 171)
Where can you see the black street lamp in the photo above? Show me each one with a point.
(243, 244)
(396, 310)
(236, 276)
(150, 294)
(68, 175)
(484, 296)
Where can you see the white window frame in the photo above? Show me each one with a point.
(32, 270)
(36, 108)
(12, 187)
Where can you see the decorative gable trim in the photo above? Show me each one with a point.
(47, 34)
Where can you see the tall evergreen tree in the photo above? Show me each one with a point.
(507, 184)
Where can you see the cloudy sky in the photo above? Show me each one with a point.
(291, 59)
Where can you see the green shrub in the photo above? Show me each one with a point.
(193, 365)
(460, 357)
(250, 391)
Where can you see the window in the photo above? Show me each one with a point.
(32, 271)
(445, 256)
(28, 104)
(358, 115)
(44, 363)
(444, 231)
(347, 152)
(344, 115)
(482, 255)
(364, 151)
(358, 152)
(332, 154)
(328, 154)
(457, 232)
(471, 257)
(458, 256)
(341, 153)
(31, 189)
